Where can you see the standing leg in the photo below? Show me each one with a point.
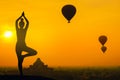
(20, 61)
(20, 67)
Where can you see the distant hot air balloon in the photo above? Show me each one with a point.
(68, 12)
(103, 48)
(102, 39)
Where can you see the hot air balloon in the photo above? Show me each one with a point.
(103, 48)
(103, 39)
(68, 12)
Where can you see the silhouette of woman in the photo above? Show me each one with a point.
(21, 30)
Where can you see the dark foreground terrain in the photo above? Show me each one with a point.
(111, 73)
(16, 77)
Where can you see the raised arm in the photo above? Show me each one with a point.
(17, 22)
(27, 22)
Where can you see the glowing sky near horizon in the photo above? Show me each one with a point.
(57, 42)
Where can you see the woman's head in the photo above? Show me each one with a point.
(21, 23)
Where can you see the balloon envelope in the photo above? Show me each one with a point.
(103, 48)
(102, 39)
(68, 12)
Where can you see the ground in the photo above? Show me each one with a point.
(111, 73)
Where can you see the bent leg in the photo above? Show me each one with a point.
(31, 52)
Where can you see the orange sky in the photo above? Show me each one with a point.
(57, 42)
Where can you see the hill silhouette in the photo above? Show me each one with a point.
(38, 68)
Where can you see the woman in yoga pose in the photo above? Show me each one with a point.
(21, 46)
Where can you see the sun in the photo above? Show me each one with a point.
(8, 34)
